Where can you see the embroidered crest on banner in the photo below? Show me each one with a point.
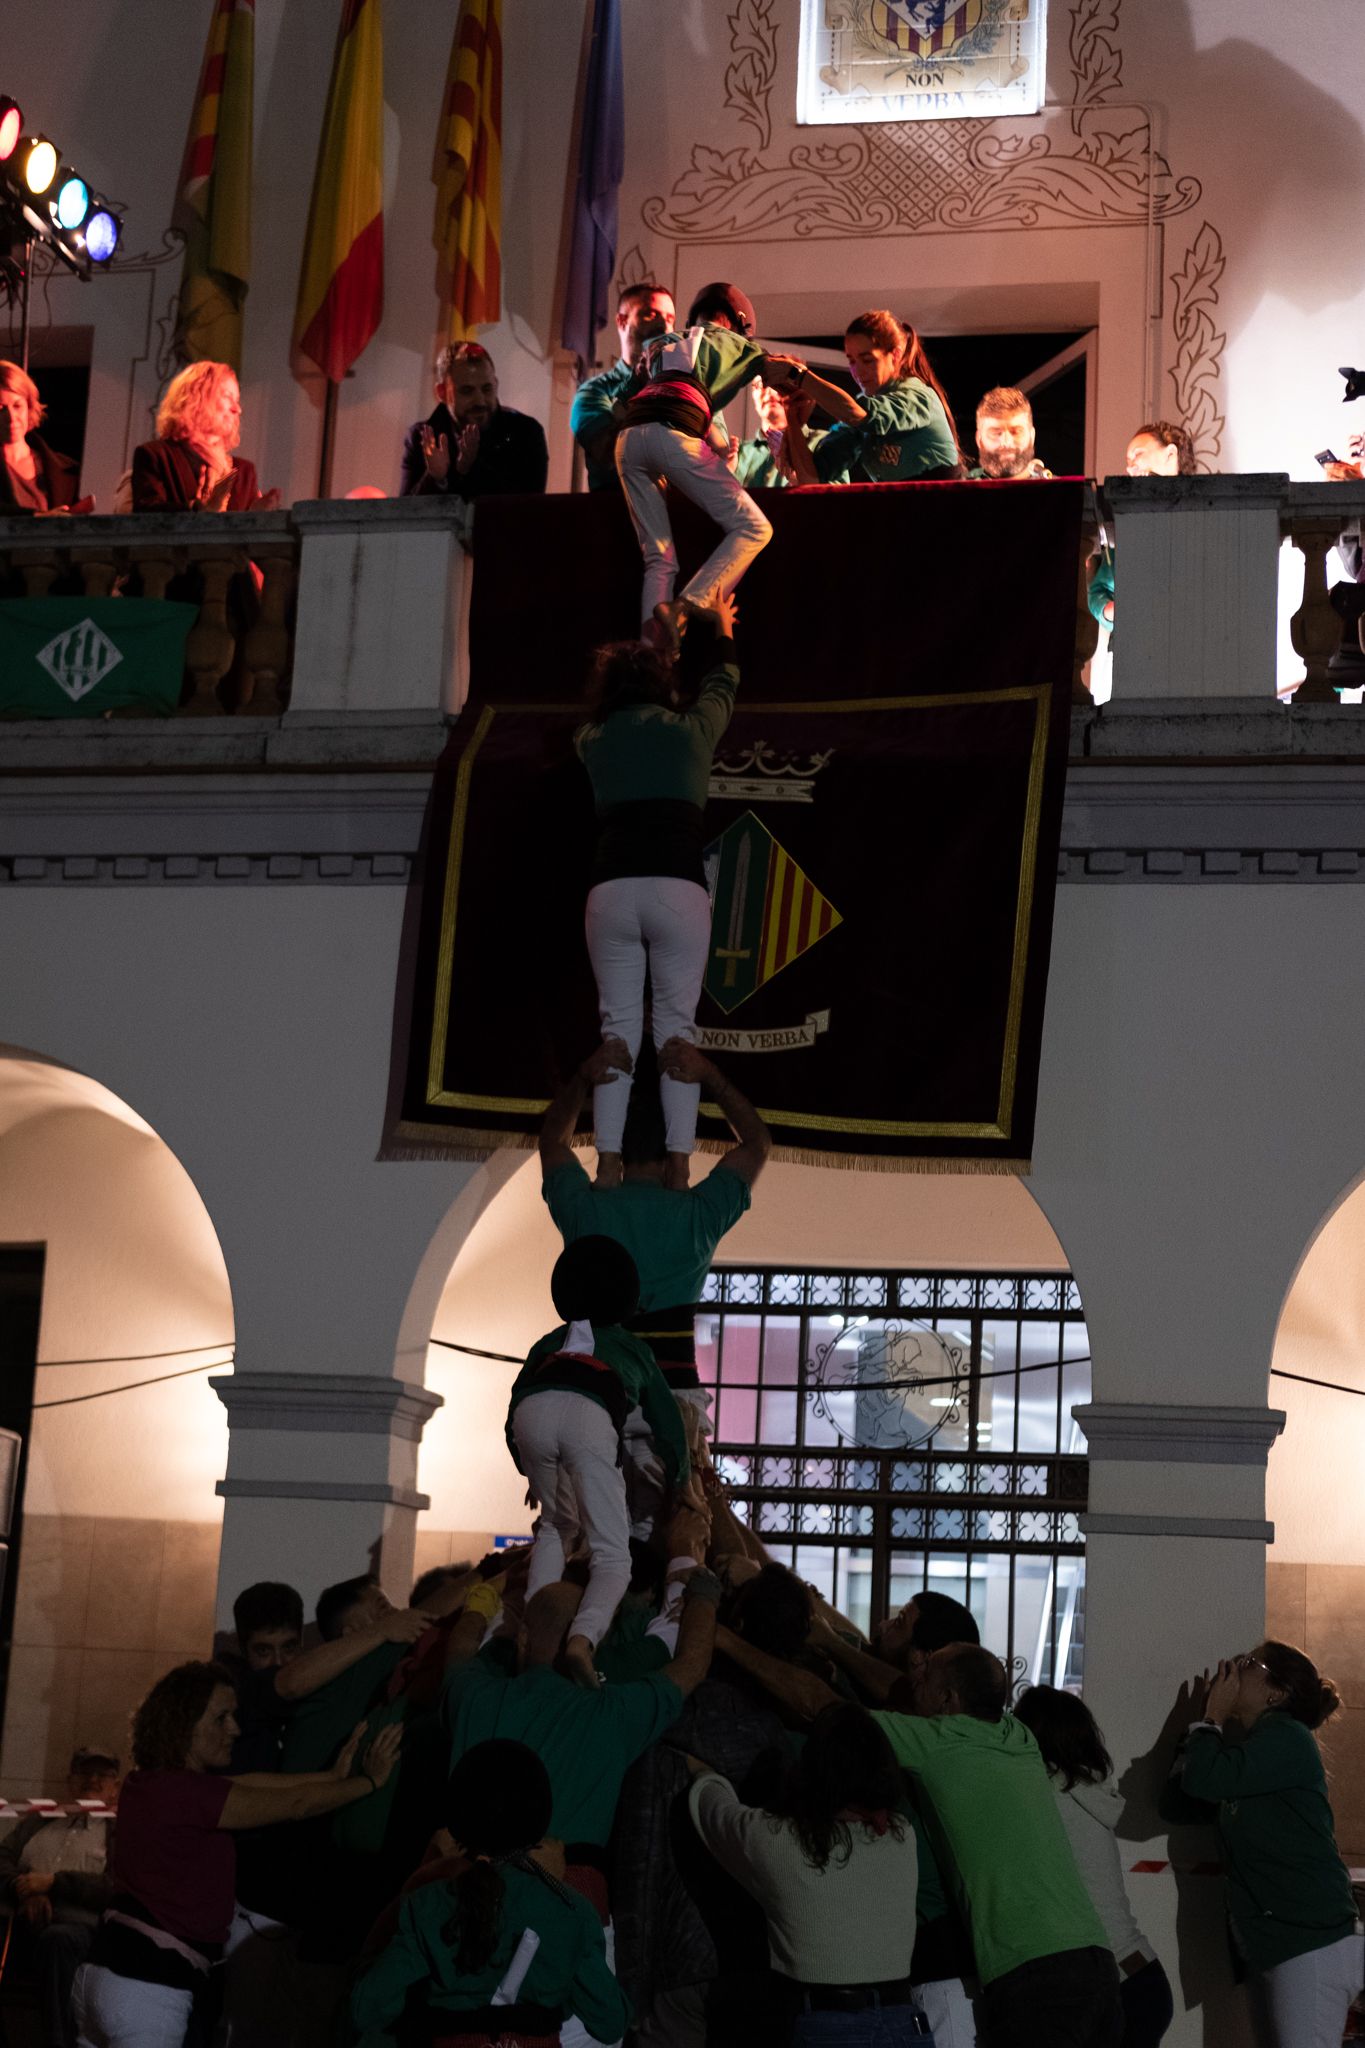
(79, 659)
(765, 912)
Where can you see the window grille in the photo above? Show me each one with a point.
(885, 1432)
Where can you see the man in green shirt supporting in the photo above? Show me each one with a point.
(643, 310)
(671, 1233)
(1046, 1971)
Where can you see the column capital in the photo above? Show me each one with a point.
(368, 1404)
(1169, 1433)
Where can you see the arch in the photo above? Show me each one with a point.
(485, 1281)
(118, 1545)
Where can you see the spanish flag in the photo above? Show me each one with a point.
(467, 174)
(213, 199)
(341, 286)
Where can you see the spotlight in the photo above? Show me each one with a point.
(11, 126)
(101, 235)
(72, 203)
(38, 164)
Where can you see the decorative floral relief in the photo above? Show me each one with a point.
(1199, 342)
(909, 175)
(1096, 60)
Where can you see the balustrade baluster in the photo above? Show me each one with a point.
(97, 574)
(211, 644)
(267, 650)
(1315, 629)
(40, 572)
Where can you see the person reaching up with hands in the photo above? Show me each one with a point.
(1251, 1763)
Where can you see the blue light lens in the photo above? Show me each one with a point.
(72, 203)
(101, 236)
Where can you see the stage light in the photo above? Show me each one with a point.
(72, 203)
(38, 164)
(101, 235)
(11, 126)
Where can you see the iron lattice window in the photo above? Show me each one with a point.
(887, 1432)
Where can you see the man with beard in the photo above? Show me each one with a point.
(643, 311)
(472, 447)
(1004, 436)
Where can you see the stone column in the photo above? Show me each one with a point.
(1175, 1553)
(321, 1477)
(1196, 585)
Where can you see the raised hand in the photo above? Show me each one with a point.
(435, 454)
(267, 501)
(404, 1625)
(612, 1057)
(467, 450)
(381, 1756)
(683, 1061)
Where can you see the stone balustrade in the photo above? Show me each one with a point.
(353, 614)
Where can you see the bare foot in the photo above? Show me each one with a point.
(678, 1171)
(578, 1664)
(608, 1170)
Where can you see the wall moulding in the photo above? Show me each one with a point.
(1157, 1433)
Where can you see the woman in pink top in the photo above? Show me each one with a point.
(174, 1859)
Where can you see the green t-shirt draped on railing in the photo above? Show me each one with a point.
(79, 657)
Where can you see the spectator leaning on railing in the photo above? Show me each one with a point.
(1159, 449)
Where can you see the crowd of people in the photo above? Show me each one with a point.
(636, 1778)
(637, 1781)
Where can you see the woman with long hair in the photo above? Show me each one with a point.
(1252, 1764)
(835, 1873)
(502, 1950)
(192, 462)
(648, 757)
(1090, 1804)
(174, 1863)
(899, 430)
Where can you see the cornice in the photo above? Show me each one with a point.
(1175, 1433)
(364, 1404)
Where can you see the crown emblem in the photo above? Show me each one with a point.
(764, 776)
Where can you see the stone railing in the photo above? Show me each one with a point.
(1198, 571)
(333, 608)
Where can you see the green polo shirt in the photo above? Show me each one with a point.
(568, 1972)
(587, 1741)
(983, 1790)
(322, 1722)
(1288, 1890)
(646, 750)
(594, 405)
(1100, 589)
(671, 1233)
(905, 433)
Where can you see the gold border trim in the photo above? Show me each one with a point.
(1037, 693)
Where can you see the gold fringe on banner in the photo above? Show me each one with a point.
(411, 1141)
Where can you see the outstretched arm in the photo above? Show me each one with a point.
(697, 1634)
(801, 1692)
(684, 1061)
(262, 1798)
(312, 1669)
(876, 1679)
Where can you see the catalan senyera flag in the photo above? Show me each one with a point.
(341, 285)
(213, 199)
(467, 174)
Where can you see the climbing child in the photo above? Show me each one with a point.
(673, 433)
(568, 1410)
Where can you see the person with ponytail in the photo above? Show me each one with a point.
(1090, 1804)
(1252, 1763)
(901, 428)
(836, 1874)
(502, 1950)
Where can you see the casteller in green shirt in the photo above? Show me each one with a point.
(983, 1789)
(568, 1972)
(671, 1233)
(587, 1741)
(904, 435)
(321, 1723)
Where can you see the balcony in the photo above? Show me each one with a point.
(354, 653)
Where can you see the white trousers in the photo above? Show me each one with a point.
(659, 921)
(122, 2012)
(644, 456)
(568, 1448)
(949, 2012)
(573, 2033)
(1303, 2003)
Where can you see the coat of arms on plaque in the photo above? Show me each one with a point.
(920, 60)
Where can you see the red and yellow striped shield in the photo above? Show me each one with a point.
(765, 912)
(901, 23)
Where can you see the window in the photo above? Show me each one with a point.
(890, 1432)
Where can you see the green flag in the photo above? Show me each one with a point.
(78, 657)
